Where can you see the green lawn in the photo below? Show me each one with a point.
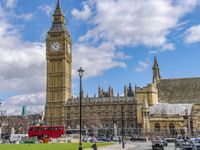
(68, 146)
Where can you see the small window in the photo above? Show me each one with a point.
(157, 127)
(172, 129)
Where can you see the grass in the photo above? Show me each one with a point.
(68, 146)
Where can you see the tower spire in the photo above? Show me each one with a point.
(156, 71)
(58, 24)
(58, 10)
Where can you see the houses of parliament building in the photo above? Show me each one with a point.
(168, 106)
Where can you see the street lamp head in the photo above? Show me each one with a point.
(80, 71)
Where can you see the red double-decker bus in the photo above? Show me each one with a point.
(46, 132)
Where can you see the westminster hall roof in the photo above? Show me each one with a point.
(170, 109)
(182, 90)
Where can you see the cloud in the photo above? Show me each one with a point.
(10, 4)
(143, 66)
(26, 17)
(22, 66)
(83, 14)
(147, 23)
(33, 99)
(118, 25)
(95, 60)
(192, 35)
(167, 47)
(34, 102)
(48, 9)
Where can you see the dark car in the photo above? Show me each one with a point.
(178, 143)
(164, 142)
(103, 139)
(157, 145)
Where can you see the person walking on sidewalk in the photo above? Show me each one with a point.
(94, 146)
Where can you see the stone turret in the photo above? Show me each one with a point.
(110, 90)
(125, 91)
(156, 71)
(103, 93)
(150, 93)
(100, 92)
(130, 92)
(145, 114)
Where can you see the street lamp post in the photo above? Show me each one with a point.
(122, 109)
(80, 71)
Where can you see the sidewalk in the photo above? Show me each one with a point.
(116, 146)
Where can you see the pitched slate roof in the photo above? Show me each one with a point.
(170, 109)
(182, 90)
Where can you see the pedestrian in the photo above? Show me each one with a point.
(94, 146)
(119, 140)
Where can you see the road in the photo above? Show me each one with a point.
(148, 146)
(134, 146)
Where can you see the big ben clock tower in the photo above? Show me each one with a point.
(59, 60)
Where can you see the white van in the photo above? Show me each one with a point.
(16, 138)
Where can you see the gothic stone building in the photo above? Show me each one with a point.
(144, 108)
(177, 110)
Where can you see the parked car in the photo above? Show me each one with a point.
(89, 139)
(138, 138)
(195, 144)
(178, 143)
(187, 145)
(85, 139)
(16, 138)
(157, 145)
(103, 139)
(92, 139)
(163, 140)
(115, 139)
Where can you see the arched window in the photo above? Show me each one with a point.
(172, 129)
(157, 127)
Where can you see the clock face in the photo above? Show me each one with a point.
(55, 46)
(69, 47)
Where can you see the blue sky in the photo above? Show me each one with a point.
(113, 40)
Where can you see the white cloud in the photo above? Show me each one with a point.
(33, 99)
(193, 34)
(167, 47)
(26, 17)
(143, 66)
(125, 23)
(95, 60)
(10, 3)
(146, 23)
(34, 102)
(153, 52)
(83, 14)
(22, 66)
(47, 9)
